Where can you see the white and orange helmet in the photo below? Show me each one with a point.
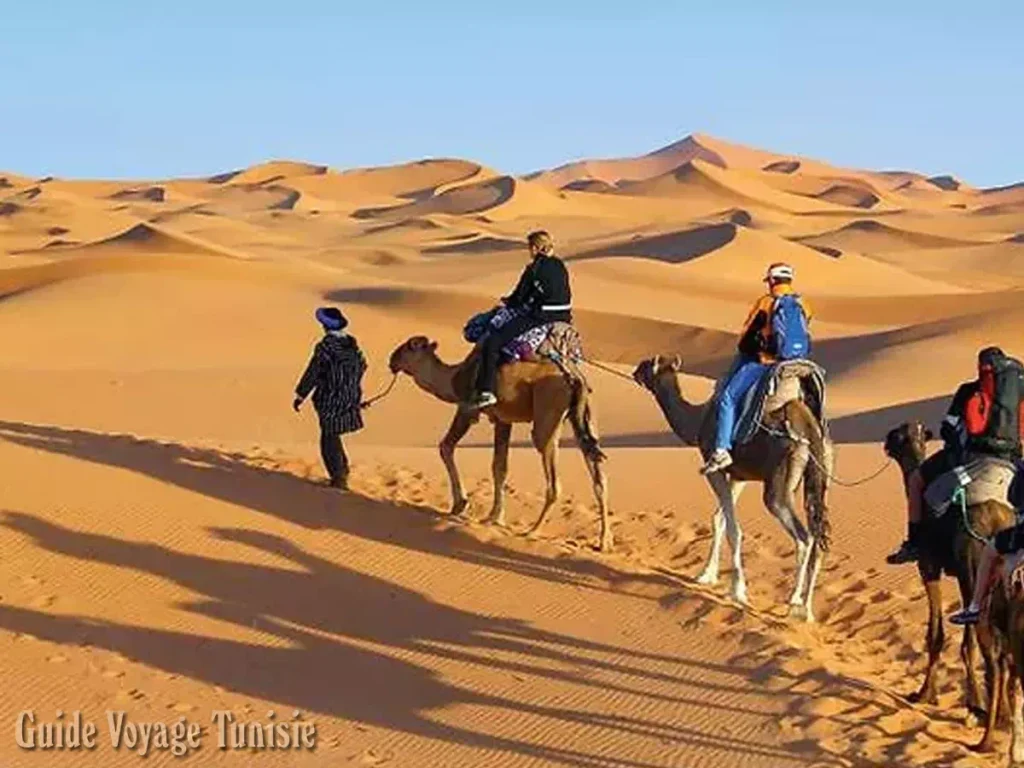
(777, 272)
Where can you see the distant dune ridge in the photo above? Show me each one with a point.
(165, 548)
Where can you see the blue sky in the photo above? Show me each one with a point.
(134, 89)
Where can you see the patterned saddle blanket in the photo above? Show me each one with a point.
(784, 382)
(558, 342)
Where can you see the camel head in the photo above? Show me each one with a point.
(908, 442)
(652, 369)
(408, 357)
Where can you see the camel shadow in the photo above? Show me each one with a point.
(321, 665)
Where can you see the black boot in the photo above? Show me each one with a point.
(909, 550)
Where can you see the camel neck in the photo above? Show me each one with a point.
(683, 417)
(437, 378)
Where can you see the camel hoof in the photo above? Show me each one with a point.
(922, 697)
(983, 747)
(707, 579)
(459, 508)
(801, 612)
(739, 594)
(606, 545)
(979, 713)
(496, 519)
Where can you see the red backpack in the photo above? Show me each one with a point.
(994, 415)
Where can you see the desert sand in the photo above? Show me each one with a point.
(165, 551)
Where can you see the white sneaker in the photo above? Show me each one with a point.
(483, 400)
(719, 460)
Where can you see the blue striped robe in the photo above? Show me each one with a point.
(334, 376)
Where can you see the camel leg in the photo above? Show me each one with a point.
(545, 439)
(781, 502)
(499, 469)
(729, 492)
(459, 427)
(969, 657)
(710, 573)
(934, 642)
(722, 490)
(601, 496)
(815, 557)
(997, 686)
(1017, 714)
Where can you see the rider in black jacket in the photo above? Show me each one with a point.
(541, 296)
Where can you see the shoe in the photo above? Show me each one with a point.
(483, 400)
(719, 460)
(964, 617)
(907, 553)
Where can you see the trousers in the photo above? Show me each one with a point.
(746, 375)
(333, 454)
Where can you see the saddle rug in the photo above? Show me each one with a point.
(983, 478)
(558, 342)
(784, 382)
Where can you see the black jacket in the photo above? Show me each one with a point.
(953, 431)
(543, 291)
(334, 375)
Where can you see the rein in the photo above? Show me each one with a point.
(378, 397)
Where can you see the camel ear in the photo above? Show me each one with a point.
(929, 435)
(676, 364)
(432, 346)
(656, 363)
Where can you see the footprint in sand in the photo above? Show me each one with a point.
(376, 757)
(181, 707)
(133, 694)
(112, 673)
(57, 659)
(44, 601)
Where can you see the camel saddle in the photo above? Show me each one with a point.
(785, 381)
(561, 344)
(983, 478)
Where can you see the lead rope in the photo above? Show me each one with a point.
(960, 498)
(612, 371)
(844, 483)
(382, 395)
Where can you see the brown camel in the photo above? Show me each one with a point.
(1001, 638)
(948, 548)
(792, 448)
(531, 392)
(1007, 620)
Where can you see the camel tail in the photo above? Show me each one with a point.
(816, 477)
(581, 420)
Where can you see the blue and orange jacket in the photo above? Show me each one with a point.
(756, 340)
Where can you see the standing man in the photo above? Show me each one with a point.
(334, 376)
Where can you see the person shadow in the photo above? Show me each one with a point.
(235, 479)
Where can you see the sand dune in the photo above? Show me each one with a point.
(166, 549)
(869, 236)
